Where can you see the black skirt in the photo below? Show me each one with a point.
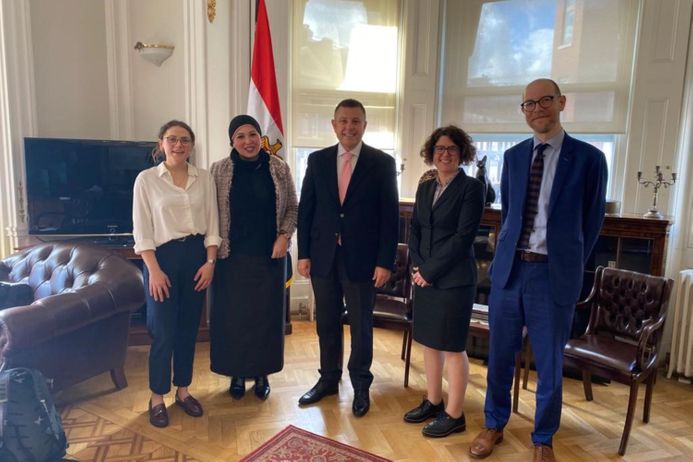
(441, 317)
(247, 316)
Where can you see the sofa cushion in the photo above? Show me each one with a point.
(15, 294)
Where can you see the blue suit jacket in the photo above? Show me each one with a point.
(368, 221)
(575, 214)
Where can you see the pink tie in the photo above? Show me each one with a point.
(345, 176)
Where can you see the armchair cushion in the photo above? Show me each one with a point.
(605, 351)
(13, 294)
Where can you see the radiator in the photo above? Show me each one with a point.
(681, 359)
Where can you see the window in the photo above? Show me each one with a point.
(493, 145)
(568, 22)
(494, 48)
(336, 45)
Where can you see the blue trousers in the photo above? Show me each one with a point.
(526, 301)
(173, 323)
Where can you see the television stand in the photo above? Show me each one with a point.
(113, 241)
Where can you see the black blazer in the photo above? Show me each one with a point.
(441, 242)
(368, 221)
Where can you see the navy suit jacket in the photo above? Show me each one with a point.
(368, 221)
(441, 242)
(575, 214)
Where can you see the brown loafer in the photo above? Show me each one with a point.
(158, 416)
(483, 444)
(543, 453)
(190, 405)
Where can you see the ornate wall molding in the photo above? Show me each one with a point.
(17, 118)
(195, 69)
(119, 70)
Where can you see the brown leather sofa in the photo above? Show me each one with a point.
(77, 326)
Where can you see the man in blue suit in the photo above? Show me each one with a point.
(348, 222)
(553, 191)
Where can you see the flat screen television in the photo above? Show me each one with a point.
(82, 187)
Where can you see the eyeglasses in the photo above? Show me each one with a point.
(531, 104)
(173, 140)
(440, 149)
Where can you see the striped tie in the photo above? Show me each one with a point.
(533, 189)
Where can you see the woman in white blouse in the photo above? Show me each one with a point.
(176, 231)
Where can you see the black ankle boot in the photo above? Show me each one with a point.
(237, 388)
(262, 387)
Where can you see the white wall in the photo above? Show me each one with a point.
(157, 92)
(70, 68)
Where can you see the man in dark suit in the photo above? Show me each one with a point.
(348, 221)
(553, 191)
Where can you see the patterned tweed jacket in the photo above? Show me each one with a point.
(285, 192)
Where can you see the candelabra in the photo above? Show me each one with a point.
(656, 183)
(400, 166)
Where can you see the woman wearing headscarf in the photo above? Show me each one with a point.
(257, 216)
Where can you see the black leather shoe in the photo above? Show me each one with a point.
(318, 392)
(237, 388)
(262, 387)
(158, 416)
(190, 405)
(424, 411)
(444, 425)
(361, 403)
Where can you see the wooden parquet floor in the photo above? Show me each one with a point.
(106, 425)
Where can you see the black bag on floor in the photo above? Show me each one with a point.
(30, 427)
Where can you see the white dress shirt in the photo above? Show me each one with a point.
(537, 239)
(162, 211)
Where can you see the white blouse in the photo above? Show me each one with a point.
(162, 211)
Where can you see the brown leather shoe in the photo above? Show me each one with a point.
(158, 416)
(190, 405)
(483, 444)
(543, 453)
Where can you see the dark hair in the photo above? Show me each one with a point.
(157, 154)
(350, 102)
(458, 136)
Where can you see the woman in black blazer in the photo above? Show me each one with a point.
(446, 218)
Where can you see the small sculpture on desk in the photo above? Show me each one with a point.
(482, 176)
(656, 183)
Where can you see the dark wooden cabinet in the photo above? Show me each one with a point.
(626, 241)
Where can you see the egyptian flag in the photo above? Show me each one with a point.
(263, 97)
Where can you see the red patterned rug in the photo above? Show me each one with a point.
(295, 444)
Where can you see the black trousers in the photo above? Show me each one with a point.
(330, 294)
(173, 323)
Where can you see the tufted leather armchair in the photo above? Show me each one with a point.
(627, 313)
(77, 326)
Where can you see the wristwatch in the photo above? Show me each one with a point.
(211, 261)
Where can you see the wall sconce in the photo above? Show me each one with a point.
(153, 52)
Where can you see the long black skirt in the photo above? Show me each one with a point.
(247, 316)
(441, 317)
